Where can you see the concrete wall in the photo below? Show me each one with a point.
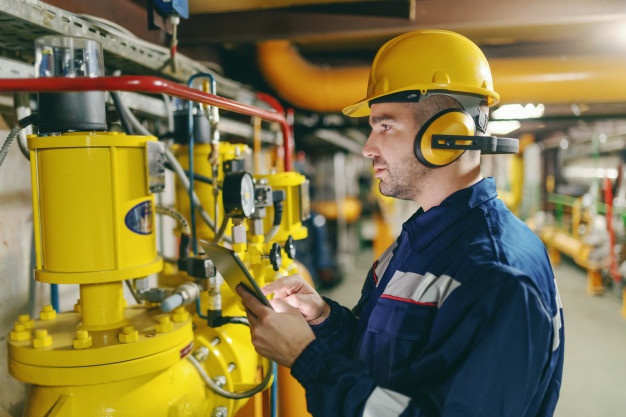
(17, 287)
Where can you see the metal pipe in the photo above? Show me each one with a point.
(147, 84)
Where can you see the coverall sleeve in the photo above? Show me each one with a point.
(489, 360)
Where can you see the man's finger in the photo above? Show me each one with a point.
(282, 287)
(281, 306)
(250, 301)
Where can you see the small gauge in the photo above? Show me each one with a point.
(238, 194)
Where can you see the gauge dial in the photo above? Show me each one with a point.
(238, 194)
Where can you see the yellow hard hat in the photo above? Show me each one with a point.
(427, 61)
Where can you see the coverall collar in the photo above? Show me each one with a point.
(423, 227)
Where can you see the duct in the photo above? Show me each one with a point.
(572, 79)
(308, 86)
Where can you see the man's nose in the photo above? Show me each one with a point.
(370, 150)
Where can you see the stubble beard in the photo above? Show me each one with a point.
(405, 180)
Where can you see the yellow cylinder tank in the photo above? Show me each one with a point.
(93, 212)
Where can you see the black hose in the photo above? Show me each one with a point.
(278, 196)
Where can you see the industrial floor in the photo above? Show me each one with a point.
(594, 380)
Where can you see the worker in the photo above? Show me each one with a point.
(461, 315)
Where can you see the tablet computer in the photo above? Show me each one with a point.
(232, 269)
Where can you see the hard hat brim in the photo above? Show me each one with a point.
(362, 108)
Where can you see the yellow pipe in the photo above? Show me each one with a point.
(518, 80)
(102, 306)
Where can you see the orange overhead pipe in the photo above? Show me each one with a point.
(560, 79)
(308, 86)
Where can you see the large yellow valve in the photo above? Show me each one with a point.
(93, 203)
(93, 217)
(93, 212)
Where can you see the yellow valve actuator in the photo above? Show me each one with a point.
(202, 151)
(296, 206)
(93, 209)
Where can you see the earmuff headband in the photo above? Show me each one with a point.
(487, 145)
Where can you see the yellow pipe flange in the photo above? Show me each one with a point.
(114, 354)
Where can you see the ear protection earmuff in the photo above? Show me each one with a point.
(449, 133)
(455, 122)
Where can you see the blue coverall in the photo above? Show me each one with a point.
(459, 317)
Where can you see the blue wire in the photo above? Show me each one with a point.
(54, 296)
(199, 310)
(192, 208)
(274, 395)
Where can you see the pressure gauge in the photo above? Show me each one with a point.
(238, 194)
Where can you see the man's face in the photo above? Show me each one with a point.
(390, 147)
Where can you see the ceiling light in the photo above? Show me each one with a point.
(518, 111)
(502, 127)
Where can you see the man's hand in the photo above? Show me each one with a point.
(280, 334)
(296, 292)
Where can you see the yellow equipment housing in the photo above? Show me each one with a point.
(93, 213)
(296, 205)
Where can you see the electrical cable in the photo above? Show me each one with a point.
(228, 394)
(236, 320)
(220, 234)
(182, 177)
(178, 217)
(54, 296)
(184, 228)
(21, 142)
(177, 168)
(190, 146)
(196, 176)
(21, 103)
(130, 287)
(199, 310)
(168, 112)
(278, 197)
(274, 392)
(117, 101)
(21, 124)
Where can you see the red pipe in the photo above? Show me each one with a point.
(275, 104)
(147, 84)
